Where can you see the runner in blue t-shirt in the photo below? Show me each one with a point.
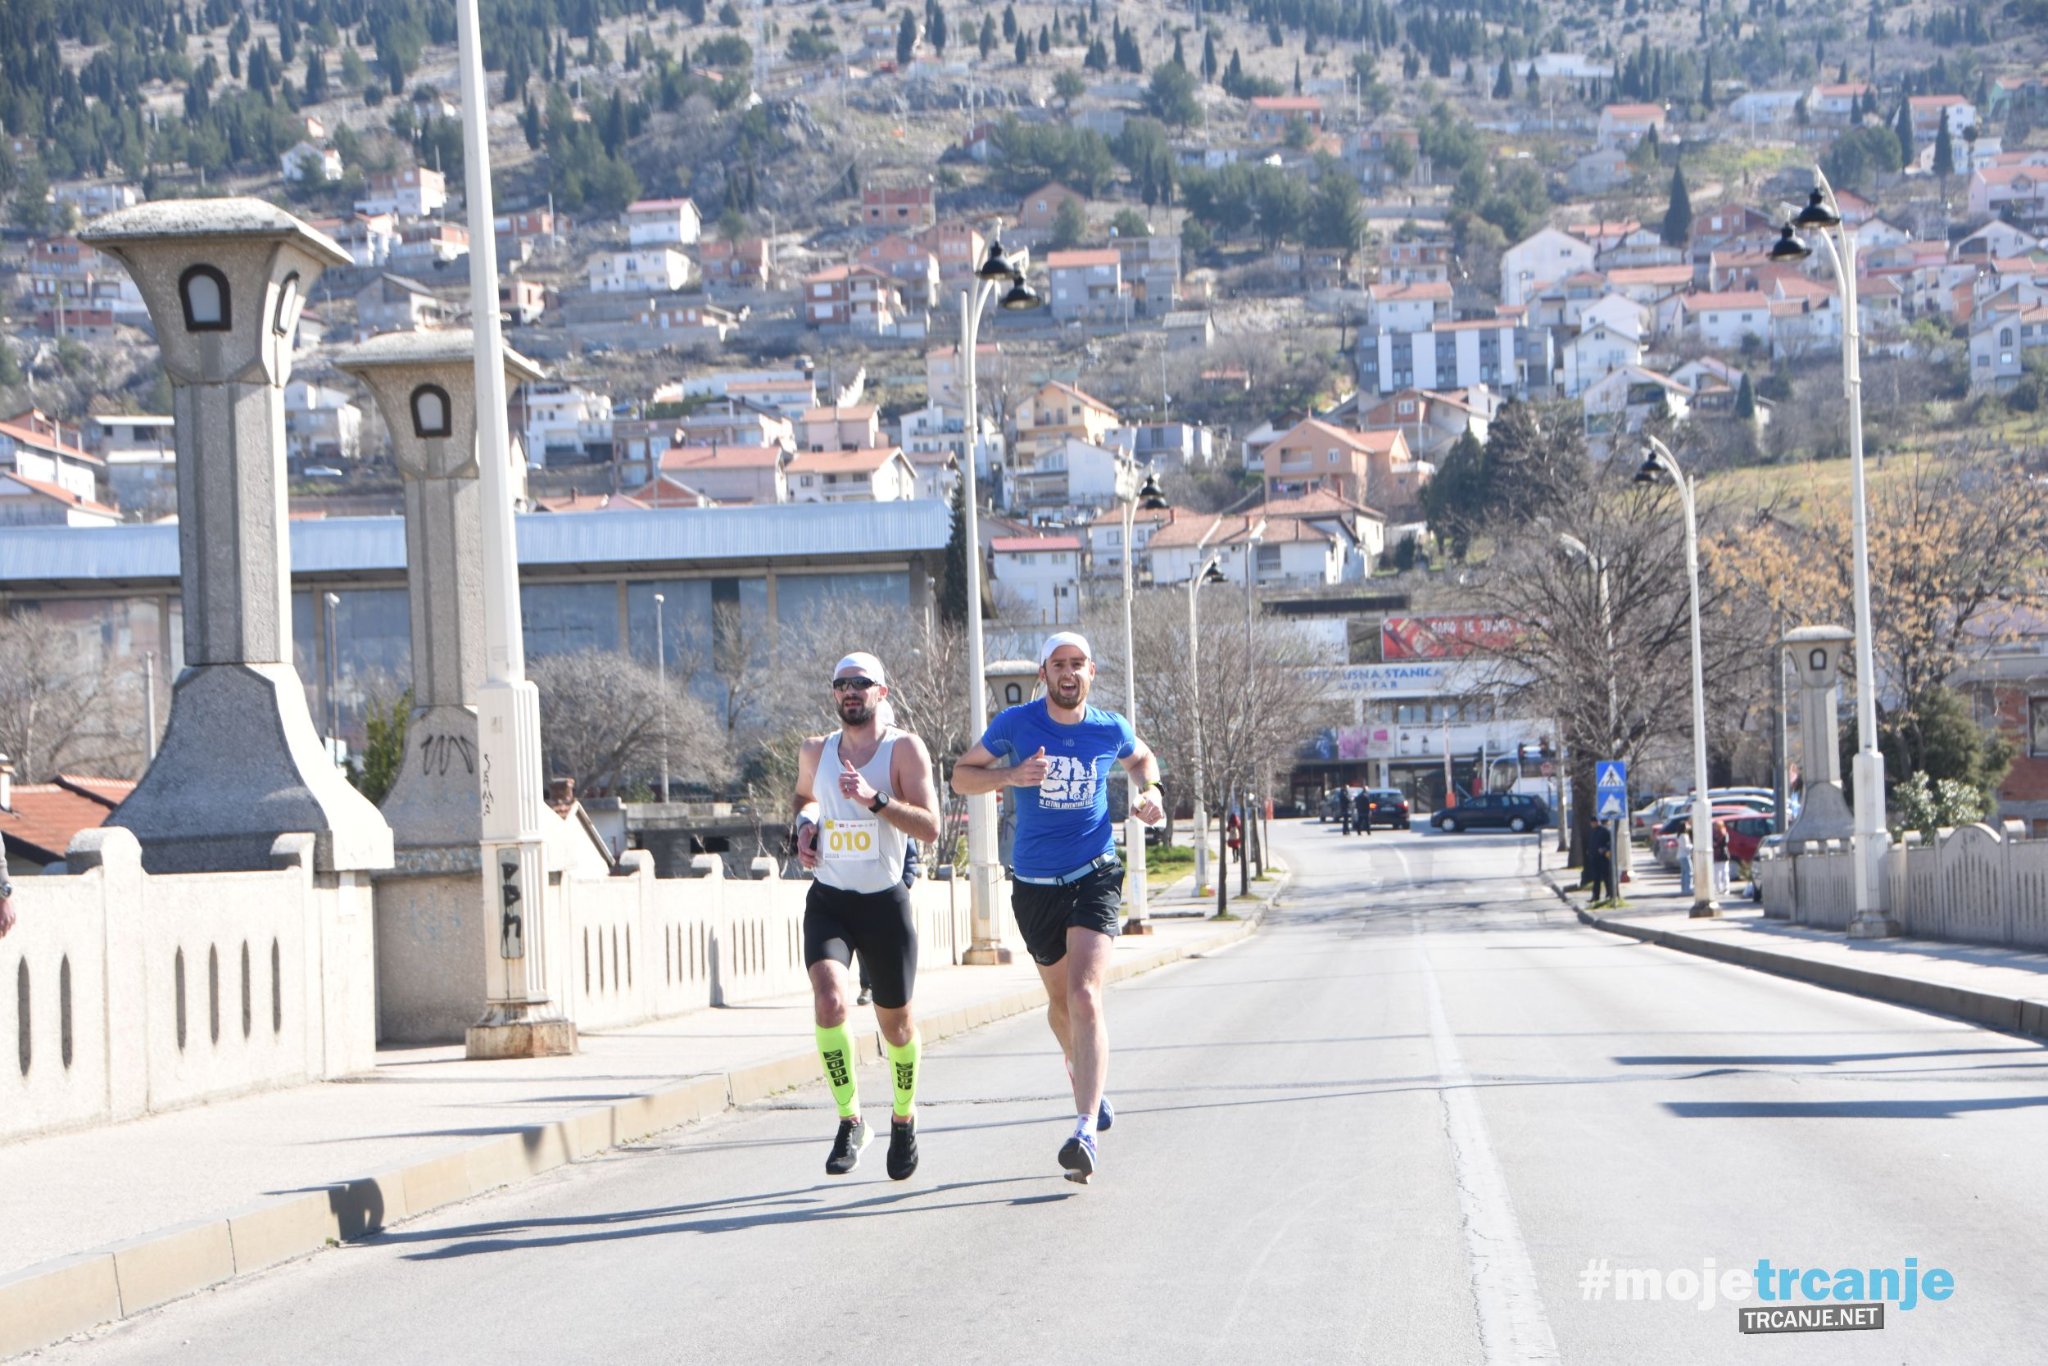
(1069, 884)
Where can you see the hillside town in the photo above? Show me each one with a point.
(1293, 267)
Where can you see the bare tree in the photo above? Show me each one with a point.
(63, 706)
(1604, 641)
(602, 722)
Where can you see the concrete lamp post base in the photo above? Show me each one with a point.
(1874, 927)
(988, 955)
(509, 1032)
(1137, 926)
(1703, 910)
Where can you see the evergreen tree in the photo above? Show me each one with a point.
(1707, 82)
(1208, 57)
(1023, 52)
(1044, 39)
(906, 38)
(1902, 128)
(1944, 154)
(1178, 59)
(953, 589)
(1504, 82)
(1745, 400)
(988, 36)
(316, 75)
(1009, 23)
(1677, 228)
(938, 29)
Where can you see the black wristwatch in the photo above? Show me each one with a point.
(881, 800)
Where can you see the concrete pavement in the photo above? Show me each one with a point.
(105, 1223)
(2003, 988)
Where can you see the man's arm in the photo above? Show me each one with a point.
(805, 804)
(1143, 766)
(978, 771)
(915, 808)
(6, 902)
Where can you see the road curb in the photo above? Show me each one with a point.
(46, 1303)
(2009, 1014)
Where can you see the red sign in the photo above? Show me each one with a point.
(1447, 637)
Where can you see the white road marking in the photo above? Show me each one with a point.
(1512, 1325)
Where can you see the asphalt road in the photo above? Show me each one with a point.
(1398, 1125)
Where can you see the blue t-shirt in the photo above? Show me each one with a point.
(1063, 823)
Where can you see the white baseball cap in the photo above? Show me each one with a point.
(862, 662)
(1059, 638)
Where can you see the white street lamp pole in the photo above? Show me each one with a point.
(519, 1017)
(1824, 216)
(1135, 890)
(1703, 903)
(987, 945)
(661, 675)
(1195, 581)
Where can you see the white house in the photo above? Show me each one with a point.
(1455, 355)
(1623, 400)
(565, 421)
(1037, 579)
(1597, 349)
(33, 502)
(2019, 192)
(322, 424)
(652, 270)
(413, 192)
(33, 446)
(1723, 320)
(1086, 284)
(882, 474)
(1067, 474)
(1103, 535)
(306, 161)
(663, 223)
(1538, 259)
(1407, 308)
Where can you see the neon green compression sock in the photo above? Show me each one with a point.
(903, 1066)
(835, 1049)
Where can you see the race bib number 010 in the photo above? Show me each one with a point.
(849, 841)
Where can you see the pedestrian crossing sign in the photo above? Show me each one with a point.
(1610, 807)
(1611, 774)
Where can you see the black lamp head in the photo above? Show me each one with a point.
(1020, 294)
(996, 266)
(1817, 214)
(1150, 496)
(1788, 247)
(1651, 472)
(1214, 574)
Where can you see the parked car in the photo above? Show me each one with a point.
(1386, 806)
(1495, 811)
(1746, 830)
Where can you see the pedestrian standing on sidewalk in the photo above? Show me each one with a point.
(1068, 896)
(1344, 808)
(862, 794)
(1720, 858)
(1600, 862)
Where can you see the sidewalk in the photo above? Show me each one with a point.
(2005, 989)
(107, 1222)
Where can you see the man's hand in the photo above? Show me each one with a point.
(6, 915)
(855, 787)
(1148, 809)
(807, 843)
(1032, 771)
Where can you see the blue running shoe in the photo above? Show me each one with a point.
(1077, 1155)
(1105, 1115)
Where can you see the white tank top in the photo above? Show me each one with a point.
(858, 851)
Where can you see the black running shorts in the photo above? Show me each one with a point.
(876, 924)
(1044, 913)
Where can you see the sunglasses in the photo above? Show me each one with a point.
(854, 684)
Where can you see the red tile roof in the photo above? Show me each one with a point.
(43, 817)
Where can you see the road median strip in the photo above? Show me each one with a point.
(54, 1300)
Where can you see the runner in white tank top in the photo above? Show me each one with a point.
(862, 794)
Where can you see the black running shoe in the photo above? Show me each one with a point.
(902, 1148)
(1077, 1155)
(846, 1146)
(1105, 1115)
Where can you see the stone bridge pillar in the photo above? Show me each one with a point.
(241, 762)
(1817, 653)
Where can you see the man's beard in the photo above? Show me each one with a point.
(1079, 688)
(856, 711)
